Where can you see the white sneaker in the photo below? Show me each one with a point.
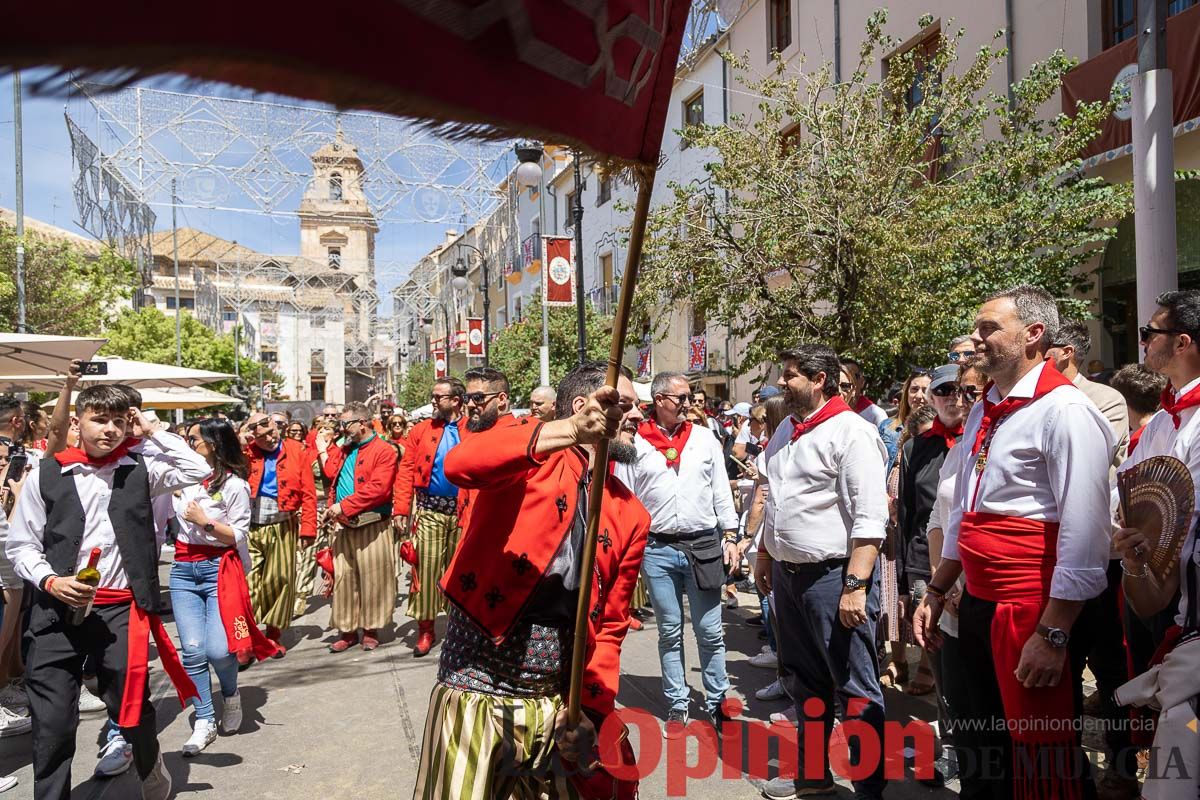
(13, 696)
(766, 659)
(88, 702)
(115, 758)
(788, 716)
(772, 691)
(7, 782)
(157, 785)
(13, 724)
(203, 734)
(231, 713)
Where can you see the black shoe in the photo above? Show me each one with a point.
(718, 719)
(787, 789)
(676, 722)
(757, 619)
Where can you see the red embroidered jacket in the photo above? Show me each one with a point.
(294, 478)
(374, 476)
(466, 497)
(523, 507)
(417, 464)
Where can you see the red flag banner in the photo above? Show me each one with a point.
(474, 337)
(643, 362)
(697, 352)
(440, 368)
(608, 65)
(558, 280)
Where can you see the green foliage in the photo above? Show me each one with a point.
(515, 351)
(416, 385)
(149, 335)
(840, 215)
(68, 292)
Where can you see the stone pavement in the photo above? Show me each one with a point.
(325, 726)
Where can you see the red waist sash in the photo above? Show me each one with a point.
(137, 669)
(1010, 561)
(233, 599)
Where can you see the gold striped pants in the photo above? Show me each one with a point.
(272, 575)
(364, 577)
(306, 567)
(436, 537)
(479, 745)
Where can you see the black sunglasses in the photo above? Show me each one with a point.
(680, 399)
(347, 423)
(478, 398)
(846, 387)
(952, 389)
(1147, 331)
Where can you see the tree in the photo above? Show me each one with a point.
(149, 335)
(68, 291)
(515, 352)
(850, 215)
(416, 385)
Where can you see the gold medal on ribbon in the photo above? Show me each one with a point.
(672, 454)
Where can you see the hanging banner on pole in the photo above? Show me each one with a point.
(697, 352)
(558, 287)
(643, 362)
(475, 336)
(439, 364)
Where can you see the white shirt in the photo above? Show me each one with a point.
(827, 488)
(171, 465)
(230, 505)
(695, 497)
(1057, 445)
(873, 414)
(1161, 439)
(947, 483)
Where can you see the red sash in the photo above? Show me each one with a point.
(1009, 561)
(137, 664)
(77, 455)
(833, 406)
(1176, 407)
(939, 429)
(670, 446)
(233, 599)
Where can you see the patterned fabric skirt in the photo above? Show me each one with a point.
(895, 623)
(481, 745)
(272, 576)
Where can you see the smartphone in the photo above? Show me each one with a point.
(93, 367)
(17, 459)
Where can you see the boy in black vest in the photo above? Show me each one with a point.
(98, 495)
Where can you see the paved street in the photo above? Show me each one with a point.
(319, 725)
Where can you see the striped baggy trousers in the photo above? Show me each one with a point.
(480, 745)
(306, 567)
(364, 577)
(436, 537)
(272, 574)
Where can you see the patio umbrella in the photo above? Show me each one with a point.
(138, 374)
(33, 354)
(188, 399)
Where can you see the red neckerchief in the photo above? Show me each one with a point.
(1175, 407)
(863, 404)
(949, 434)
(1049, 380)
(1134, 438)
(77, 455)
(670, 446)
(833, 406)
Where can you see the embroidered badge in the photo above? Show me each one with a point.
(605, 539)
(494, 598)
(594, 689)
(468, 582)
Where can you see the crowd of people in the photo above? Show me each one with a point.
(923, 546)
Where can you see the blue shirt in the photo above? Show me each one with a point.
(345, 478)
(270, 482)
(438, 485)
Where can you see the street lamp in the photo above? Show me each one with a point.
(529, 172)
(459, 271)
(460, 274)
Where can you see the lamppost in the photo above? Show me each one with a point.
(427, 327)
(529, 174)
(580, 312)
(460, 283)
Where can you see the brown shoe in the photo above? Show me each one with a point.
(370, 640)
(343, 644)
(424, 637)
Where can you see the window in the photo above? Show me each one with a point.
(335, 186)
(316, 361)
(184, 302)
(699, 321)
(318, 321)
(604, 191)
(317, 390)
(229, 316)
(1121, 18)
(779, 25)
(335, 258)
(269, 356)
(693, 114)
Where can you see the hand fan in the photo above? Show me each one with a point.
(1157, 497)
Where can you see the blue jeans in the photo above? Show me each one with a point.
(668, 575)
(202, 638)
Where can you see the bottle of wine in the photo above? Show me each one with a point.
(91, 576)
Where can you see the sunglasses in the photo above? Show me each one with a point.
(347, 423)
(957, 356)
(437, 398)
(969, 393)
(846, 387)
(397, 424)
(1146, 332)
(478, 398)
(262, 423)
(680, 399)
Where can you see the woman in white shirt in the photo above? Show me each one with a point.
(214, 518)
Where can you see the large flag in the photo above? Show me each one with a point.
(558, 280)
(597, 75)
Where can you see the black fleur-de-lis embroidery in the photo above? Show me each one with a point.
(468, 582)
(561, 503)
(494, 598)
(522, 565)
(594, 689)
(605, 539)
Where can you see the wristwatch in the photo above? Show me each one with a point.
(209, 528)
(853, 582)
(1057, 637)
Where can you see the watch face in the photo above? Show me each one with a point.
(1057, 637)
(852, 582)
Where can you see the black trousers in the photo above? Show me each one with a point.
(985, 748)
(53, 673)
(819, 657)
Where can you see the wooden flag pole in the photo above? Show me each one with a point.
(587, 563)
